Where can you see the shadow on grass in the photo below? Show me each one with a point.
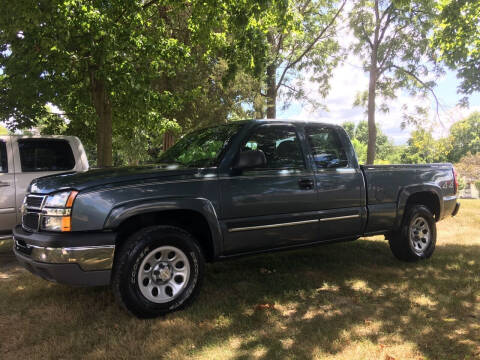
(288, 304)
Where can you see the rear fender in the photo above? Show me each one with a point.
(406, 192)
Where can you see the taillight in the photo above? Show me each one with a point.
(455, 179)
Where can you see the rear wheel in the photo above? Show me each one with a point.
(159, 270)
(417, 236)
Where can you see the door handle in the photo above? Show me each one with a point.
(305, 184)
(3, 184)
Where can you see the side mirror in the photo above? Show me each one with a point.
(249, 159)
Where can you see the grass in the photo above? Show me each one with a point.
(343, 301)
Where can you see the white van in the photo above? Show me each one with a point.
(24, 158)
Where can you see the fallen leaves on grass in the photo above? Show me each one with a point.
(263, 307)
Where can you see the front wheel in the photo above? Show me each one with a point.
(417, 236)
(159, 270)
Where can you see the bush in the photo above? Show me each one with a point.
(461, 184)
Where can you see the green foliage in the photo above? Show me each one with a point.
(461, 184)
(349, 127)
(358, 134)
(305, 45)
(3, 131)
(423, 148)
(360, 150)
(154, 64)
(457, 36)
(402, 39)
(465, 137)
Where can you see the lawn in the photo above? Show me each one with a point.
(342, 301)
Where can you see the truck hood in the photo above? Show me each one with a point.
(111, 176)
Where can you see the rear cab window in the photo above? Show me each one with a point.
(45, 155)
(327, 149)
(3, 157)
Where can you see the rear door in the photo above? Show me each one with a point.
(272, 206)
(36, 157)
(8, 217)
(339, 183)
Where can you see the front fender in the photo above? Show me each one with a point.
(203, 206)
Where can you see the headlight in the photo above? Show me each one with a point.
(56, 213)
(57, 200)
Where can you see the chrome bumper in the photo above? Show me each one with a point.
(89, 258)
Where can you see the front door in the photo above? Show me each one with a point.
(272, 206)
(8, 217)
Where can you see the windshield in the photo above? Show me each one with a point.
(200, 148)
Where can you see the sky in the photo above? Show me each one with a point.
(349, 79)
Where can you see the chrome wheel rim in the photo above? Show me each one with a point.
(163, 274)
(420, 234)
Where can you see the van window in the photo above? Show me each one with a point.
(3, 157)
(45, 155)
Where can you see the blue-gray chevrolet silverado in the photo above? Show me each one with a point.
(241, 188)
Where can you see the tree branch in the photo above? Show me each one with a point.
(311, 45)
(429, 88)
(366, 37)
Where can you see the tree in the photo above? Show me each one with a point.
(109, 64)
(465, 137)
(304, 45)
(359, 136)
(423, 148)
(457, 35)
(3, 131)
(393, 39)
(349, 127)
(469, 166)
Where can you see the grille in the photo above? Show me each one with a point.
(34, 201)
(30, 221)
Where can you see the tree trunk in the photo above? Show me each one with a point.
(103, 108)
(168, 140)
(271, 84)
(372, 129)
(271, 92)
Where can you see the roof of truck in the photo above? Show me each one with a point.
(287, 120)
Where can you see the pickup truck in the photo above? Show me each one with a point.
(23, 158)
(241, 188)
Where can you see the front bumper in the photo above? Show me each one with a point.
(59, 256)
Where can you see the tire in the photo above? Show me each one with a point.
(417, 236)
(147, 281)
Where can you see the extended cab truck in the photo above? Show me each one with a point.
(246, 187)
(23, 158)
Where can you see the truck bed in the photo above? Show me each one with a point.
(388, 187)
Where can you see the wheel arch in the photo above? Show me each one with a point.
(427, 195)
(198, 216)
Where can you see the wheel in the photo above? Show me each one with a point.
(157, 271)
(417, 236)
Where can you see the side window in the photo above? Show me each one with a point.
(45, 155)
(280, 145)
(3, 157)
(327, 149)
